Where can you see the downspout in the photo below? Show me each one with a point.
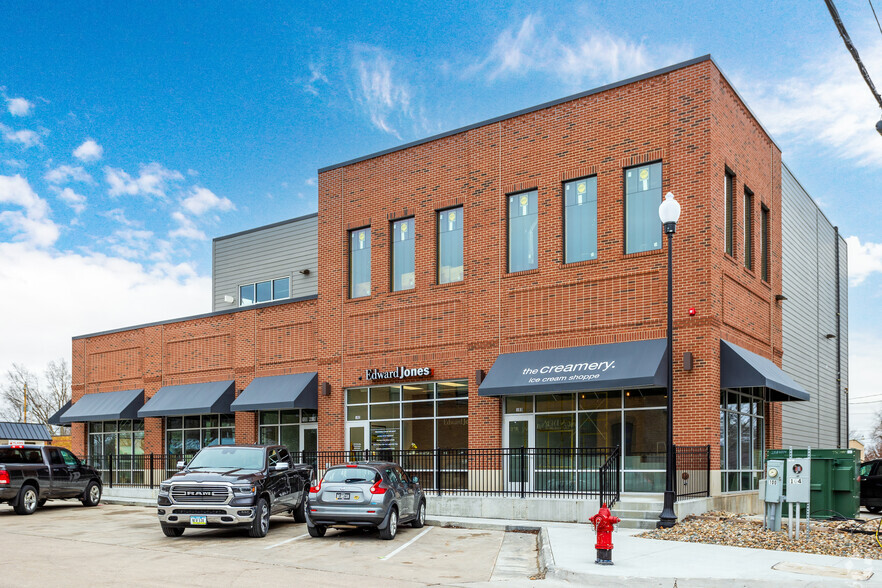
(838, 350)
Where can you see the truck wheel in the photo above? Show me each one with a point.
(92, 495)
(27, 500)
(260, 525)
(171, 531)
(874, 509)
(420, 518)
(392, 528)
(300, 512)
(317, 531)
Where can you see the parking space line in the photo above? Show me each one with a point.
(287, 541)
(406, 544)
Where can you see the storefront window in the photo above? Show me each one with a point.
(450, 268)
(402, 255)
(523, 231)
(186, 435)
(114, 447)
(360, 263)
(284, 427)
(580, 213)
(742, 438)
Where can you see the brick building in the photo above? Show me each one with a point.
(499, 285)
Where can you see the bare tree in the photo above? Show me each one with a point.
(873, 445)
(18, 380)
(43, 400)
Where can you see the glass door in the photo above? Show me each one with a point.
(518, 440)
(356, 440)
(309, 445)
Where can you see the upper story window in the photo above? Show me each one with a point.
(450, 246)
(402, 255)
(360, 263)
(580, 218)
(264, 291)
(764, 243)
(643, 229)
(729, 206)
(748, 229)
(523, 231)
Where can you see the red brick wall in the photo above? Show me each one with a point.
(689, 119)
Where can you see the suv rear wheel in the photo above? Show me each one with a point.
(420, 518)
(260, 524)
(317, 531)
(392, 528)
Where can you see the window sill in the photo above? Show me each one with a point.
(448, 284)
(658, 251)
(359, 299)
(520, 273)
(400, 292)
(750, 272)
(584, 262)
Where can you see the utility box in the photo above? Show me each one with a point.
(833, 480)
(798, 479)
(774, 482)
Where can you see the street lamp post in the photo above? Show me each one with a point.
(669, 213)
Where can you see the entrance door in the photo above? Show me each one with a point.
(518, 439)
(309, 444)
(357, 440)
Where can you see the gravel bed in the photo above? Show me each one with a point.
(725, 528)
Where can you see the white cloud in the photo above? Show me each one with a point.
(315, 76)
(864, 259)
(33, 224)
(380, 91)
(19, 106)
(825, 104)
(24, 137)
(186, 228)
(153, 180)
(202, 200)
(100, 293)
(535, 46)
(16, 163)
(119, 215)
(311, 181)
(89, 151)
(131, 244)
(65, 173)
(77, 202)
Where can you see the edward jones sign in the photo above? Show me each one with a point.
(398, 373)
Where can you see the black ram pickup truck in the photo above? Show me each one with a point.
(234, 486)
(32, 474)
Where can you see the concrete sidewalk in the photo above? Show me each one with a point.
(566, 552)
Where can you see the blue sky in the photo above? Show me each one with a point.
(133, 133)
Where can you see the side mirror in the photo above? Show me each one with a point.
(416, 480)
(181, 464)
(281, 466)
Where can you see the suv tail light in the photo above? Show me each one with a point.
(378, 487)
(315, 489)
(4, 477)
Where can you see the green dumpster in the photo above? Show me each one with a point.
(835, 490)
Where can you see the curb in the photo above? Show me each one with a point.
(465, 524)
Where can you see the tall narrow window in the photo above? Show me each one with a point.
(642, 196)
(748, 229)
(730, 213)
(523, 231)
(402, 255)
(360, 263)
(764, 243)
(580, 213)
(450, 246)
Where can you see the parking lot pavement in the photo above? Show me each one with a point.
(64, 543)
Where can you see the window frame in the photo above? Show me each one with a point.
(350, 250)
(438, 214)
(272, 283)
(748, 228)
(729, 212)
(392, 224)
(765, 243)
(625, 207)
(563, 203)
(508, 269)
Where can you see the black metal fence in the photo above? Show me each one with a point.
(135, 471)
(692, 467)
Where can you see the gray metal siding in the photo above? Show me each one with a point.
(277, 251)
(809, 283)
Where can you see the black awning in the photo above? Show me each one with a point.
(740, 368)
(573, 369)
(205, 398)
(105, 406)
(55, 419)
(279, 392)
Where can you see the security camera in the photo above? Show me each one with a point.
(879, 127)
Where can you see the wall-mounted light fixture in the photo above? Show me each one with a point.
(229, 299)
(305, 272)
(687, 361)
(326, 388)
(479, 376)
(829, 336)
(780, 297)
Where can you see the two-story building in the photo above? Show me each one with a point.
(503, 285)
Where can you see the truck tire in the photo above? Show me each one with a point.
(317, 531)
(392, 528)
(300, 512)
(171, 531)
(874, 509)
(260, 524)
(27, 500)
(92, 495)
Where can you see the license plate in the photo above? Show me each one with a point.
(198, 521)
(342, 495)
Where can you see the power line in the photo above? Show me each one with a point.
(874, 15)
(851, 49)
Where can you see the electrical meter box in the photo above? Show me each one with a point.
(799, 477)
(774, 480)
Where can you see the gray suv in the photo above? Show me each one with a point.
(367, 494)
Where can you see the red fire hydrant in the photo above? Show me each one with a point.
(603, 525)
